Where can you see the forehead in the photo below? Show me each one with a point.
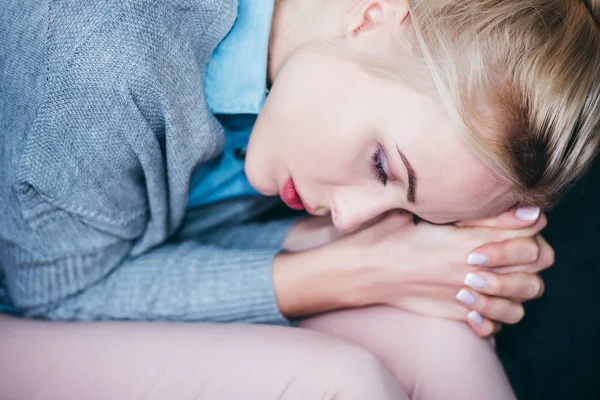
(455, 185)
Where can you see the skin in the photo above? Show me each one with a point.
(367, 115)
(374, 254)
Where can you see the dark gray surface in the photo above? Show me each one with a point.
(555, 352)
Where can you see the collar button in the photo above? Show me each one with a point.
(239, 153)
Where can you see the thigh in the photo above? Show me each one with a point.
(53, 360)
(432, 358)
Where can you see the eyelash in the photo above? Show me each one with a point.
(377, 167)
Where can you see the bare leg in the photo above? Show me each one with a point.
(84, 361)
(432, 358)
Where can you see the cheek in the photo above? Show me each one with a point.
(315, 124)
(323, 159)
(313, 140)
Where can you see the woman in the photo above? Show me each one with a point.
(125, 196)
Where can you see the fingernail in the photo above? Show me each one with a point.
(466, 297)
(477, 259)
(475, 281)
(475, 317)
(528, 213)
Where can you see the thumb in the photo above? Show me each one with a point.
(515, 218)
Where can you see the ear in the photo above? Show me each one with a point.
(368, 15)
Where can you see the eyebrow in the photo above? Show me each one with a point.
(411, 195)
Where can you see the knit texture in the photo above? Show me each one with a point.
(103, 120)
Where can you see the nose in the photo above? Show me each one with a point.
(352, 207)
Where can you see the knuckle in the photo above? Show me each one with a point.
(503, 256)
(497, 253)
(546, 260)
(483, 305)
(543, 221)
(496, 285)
(550, 257)
(534, 289)
(532, 250)
(540, 289)
(486, 331)
(528, 285)
(517, 314)
(547, 255)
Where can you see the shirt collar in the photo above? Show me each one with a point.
(236, 77)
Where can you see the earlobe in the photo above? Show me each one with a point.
(367, 15)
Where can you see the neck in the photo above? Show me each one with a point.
(295, 24)
(280, 40)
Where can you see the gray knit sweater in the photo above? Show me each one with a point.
(102, 121)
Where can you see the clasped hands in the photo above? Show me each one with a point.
(477, 271)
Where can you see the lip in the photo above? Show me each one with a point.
(290, 196)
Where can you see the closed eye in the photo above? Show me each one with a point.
(378, 166)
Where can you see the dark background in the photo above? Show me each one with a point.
(554, 353)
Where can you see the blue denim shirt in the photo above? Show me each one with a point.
(235, 90)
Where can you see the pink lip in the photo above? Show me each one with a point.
(290, 196)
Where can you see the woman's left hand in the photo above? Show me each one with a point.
(482, 284)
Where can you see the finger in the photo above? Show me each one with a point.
(546, 256)
(483, 327)
(494, 308)
(500, 235)
(518, 285)
(544, 261)
(515, 218)
(482, 236)
(522, 250)
(497, 327)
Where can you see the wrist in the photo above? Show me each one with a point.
(309, 233)
(322, 279)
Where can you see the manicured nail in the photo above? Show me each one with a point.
(466, 297)
(475, 281)
(475, 317)
(528, 213)
(477, 259)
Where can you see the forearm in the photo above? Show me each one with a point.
(322, 279)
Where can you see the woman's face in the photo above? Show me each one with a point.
(333, 137)
(357, 145)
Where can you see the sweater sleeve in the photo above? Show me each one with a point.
(253, 235)
(188, 281)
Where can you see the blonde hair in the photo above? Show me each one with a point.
(522, 77)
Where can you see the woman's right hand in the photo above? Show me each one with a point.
(421, 268)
